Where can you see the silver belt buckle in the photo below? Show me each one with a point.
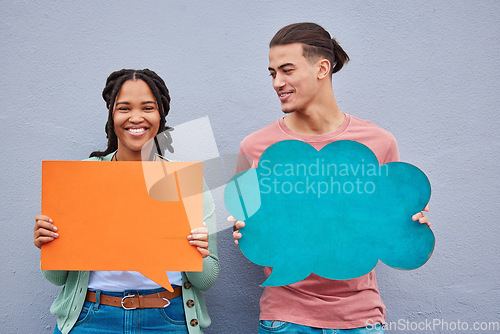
(123, 300)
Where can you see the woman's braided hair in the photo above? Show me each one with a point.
(113, 86)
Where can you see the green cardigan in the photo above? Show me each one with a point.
(69, 303)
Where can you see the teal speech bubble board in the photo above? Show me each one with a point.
(334, 213)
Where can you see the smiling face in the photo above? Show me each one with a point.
(295, 78)
(136, 118)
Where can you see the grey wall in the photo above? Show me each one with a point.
(426, 70)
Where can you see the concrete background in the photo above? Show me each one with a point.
(428, 71)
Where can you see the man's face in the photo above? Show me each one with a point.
(295, 79)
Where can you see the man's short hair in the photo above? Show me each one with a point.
(317, 43)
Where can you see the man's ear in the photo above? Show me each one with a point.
(323, 68)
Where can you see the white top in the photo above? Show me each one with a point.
(117, 281)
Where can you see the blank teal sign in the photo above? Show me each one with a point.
(333, 213)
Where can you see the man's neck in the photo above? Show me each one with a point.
(323, 117)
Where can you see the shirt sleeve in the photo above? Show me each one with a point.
(244, 161)
(392, 154)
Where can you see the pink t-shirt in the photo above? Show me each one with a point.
(317, 301)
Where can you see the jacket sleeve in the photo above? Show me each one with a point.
(56, 277)
(205, 279)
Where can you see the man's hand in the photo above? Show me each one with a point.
(237, 224)
(421, 218)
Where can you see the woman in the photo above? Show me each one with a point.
(91, 302)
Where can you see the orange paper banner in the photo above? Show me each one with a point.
(130, 216)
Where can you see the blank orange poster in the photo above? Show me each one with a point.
(123, 216)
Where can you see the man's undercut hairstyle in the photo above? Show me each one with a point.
(114, 84)
(317, 43)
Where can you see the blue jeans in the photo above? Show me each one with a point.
(99, 319)
(275, 326)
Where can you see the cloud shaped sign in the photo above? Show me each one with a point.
(334, 213)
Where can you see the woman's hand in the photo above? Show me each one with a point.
(44, 231)
(421, 218)
(199, 239)
(237, 224)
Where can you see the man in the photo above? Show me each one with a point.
(302, 59)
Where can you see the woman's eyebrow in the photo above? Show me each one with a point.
(144, 102)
